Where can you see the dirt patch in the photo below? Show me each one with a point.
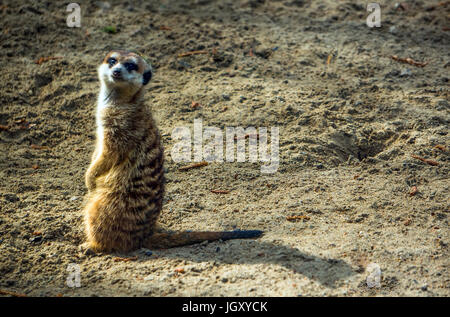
(350, 119)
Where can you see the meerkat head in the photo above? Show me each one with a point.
(124, 71)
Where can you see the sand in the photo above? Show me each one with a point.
(350, 117)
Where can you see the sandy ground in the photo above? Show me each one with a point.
(350, 119)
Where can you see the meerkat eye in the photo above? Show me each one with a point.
(130, 66)
(111, 61)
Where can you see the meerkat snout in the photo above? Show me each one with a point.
(117, 73)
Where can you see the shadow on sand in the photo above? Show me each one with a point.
(326, 271)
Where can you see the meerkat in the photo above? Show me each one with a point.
(125, 179)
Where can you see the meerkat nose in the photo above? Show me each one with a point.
(117, 73)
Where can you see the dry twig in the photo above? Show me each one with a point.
(430, 162)
(38, 147)
(5, 292)
(118, 259)
(295, 218)
(46, 59)
(218, 191)
(441, 147)
(409, 61)
(195, 165)
(192, 53)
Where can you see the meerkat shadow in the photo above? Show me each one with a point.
(327, 271)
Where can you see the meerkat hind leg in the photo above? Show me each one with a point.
(87, 249)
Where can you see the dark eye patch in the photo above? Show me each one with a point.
(111, 61)
(146, 77)
(130, 66)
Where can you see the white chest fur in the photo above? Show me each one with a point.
(102, 104)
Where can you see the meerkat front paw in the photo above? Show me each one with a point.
(90, 180)
(90, 184)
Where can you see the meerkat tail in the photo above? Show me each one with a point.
(177, 239)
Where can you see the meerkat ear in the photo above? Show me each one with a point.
(146, 77)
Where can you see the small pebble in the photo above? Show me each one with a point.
(405, 72)
(374, 275)
(184, 64)
(11, 197)
(36, 239)
(104, 5)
